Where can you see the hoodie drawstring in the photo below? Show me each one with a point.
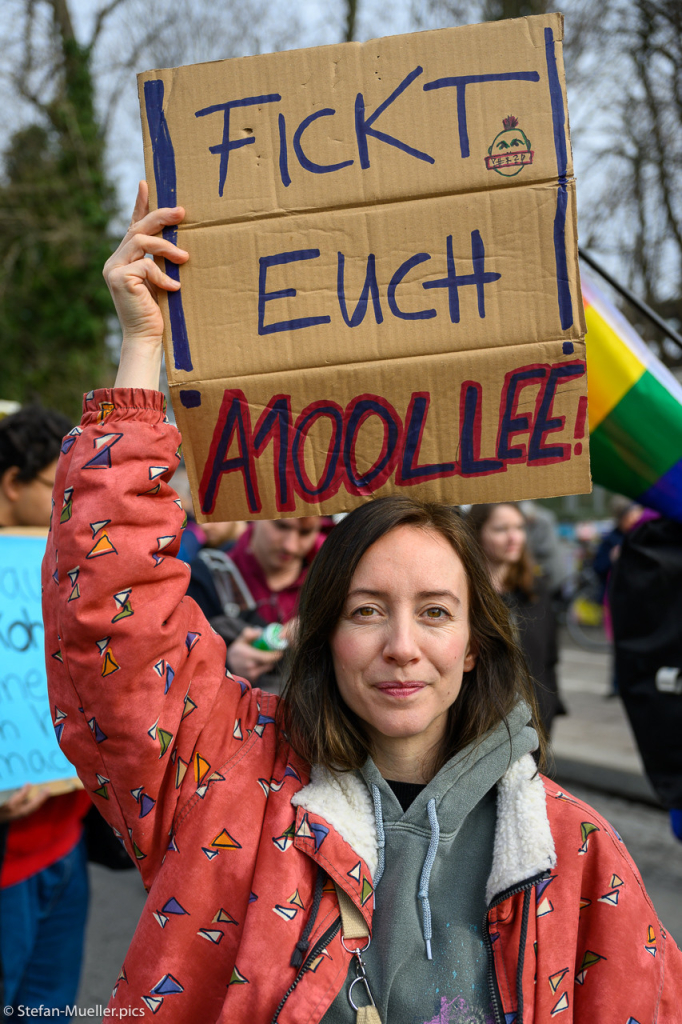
(381, 837)
(423, 893)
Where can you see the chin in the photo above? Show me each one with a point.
(402, 726)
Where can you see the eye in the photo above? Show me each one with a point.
(503, 145)
(365, 612)
(435, 613)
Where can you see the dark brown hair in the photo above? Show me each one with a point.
(522, 574)
(319, 725)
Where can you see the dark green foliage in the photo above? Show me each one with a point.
(55, 209)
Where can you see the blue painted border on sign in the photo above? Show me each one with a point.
(167, 195)
(559, 124)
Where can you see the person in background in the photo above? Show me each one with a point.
(43, 876)
(501, 532)
(256, 583)
(626, 514)
(646, 606)
(543, 543)
(196, 536)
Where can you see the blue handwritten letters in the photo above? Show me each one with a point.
(382, 254)
(29, 751)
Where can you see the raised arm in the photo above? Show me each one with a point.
(133, 281)
(136, 674)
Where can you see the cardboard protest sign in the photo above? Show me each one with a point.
(29, 751)
(383, 290)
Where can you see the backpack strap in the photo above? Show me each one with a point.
(231, 587)
(354, 927)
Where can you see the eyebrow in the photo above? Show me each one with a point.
(423, 594)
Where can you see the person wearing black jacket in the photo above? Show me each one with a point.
(645, 590)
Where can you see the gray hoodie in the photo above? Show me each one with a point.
(431, 894)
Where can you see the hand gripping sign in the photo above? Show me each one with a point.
(383, 290)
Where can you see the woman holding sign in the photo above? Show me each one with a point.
(379, 838)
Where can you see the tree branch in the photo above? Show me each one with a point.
(100, 20)
(62, 18)
(351, 11)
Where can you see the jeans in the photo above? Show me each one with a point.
(42, 926)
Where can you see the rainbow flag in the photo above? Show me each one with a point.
(635, 411)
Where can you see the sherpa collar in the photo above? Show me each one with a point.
(523, 846)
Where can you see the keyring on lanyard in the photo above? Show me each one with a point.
(361, 975)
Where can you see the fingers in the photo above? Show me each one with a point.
(24, 802)
(129, 276)
(32, 804)
(18, 798)
(143, 237)
(151, 223)
(253, 666)
(247, 661)
(141, 203)
(138, 245)
(155, 221)
(249, 633)
(289, 630)
(268, 658)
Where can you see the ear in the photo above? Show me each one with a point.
(470, 657)
(10, 484)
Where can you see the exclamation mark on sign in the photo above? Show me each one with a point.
(580, 423)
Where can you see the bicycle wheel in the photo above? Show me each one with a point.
(584, 621)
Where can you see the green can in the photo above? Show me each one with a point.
(271, 639)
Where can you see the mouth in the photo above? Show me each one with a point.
(391, 688)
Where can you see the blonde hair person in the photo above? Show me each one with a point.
(501, 532)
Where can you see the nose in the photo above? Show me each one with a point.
(292, 542)
(401, 645)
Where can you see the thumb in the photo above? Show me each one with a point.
(141, 203)
(249, 634)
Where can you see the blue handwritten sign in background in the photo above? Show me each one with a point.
(29, 751)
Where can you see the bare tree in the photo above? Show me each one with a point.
(72, 82)
(640, 217)
(624, 73)
(351, 12)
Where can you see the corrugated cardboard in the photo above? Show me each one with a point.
(383, 290)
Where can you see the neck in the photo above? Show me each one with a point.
(405, 760)
(7, 517)
(279, 579)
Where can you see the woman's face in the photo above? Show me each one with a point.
(503, 535)
(402, 643)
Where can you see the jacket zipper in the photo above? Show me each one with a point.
(317, 949)
(492, 987)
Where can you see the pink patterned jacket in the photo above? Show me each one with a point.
(229, 828)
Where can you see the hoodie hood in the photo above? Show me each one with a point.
(478, 828)
(466, 777)
(523, 844)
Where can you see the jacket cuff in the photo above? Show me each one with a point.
(107, 400)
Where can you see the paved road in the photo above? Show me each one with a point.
(116, 902)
